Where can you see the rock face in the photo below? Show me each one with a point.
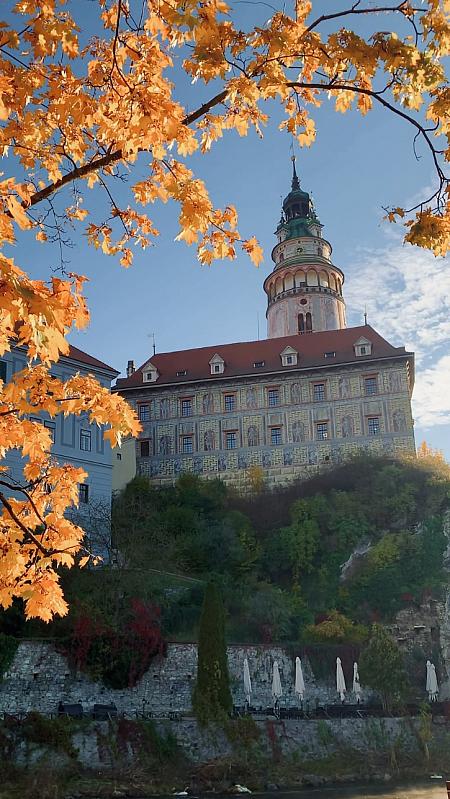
(99, 745)
(351, 565)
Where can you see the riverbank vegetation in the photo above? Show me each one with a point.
(138, 759)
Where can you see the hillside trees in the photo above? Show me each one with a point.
(80, 109)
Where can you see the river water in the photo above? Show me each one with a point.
(434, 789)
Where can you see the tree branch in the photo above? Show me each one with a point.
(28, 534)
(376, 96)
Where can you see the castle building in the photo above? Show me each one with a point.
(313, 393)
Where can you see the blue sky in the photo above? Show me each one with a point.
(357, 166)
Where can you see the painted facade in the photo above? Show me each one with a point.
(75, 441)
(312, 394)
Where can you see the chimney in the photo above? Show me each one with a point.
(130, 368)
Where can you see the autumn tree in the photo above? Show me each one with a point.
(81, 109)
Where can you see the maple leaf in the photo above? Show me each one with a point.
(254, 250)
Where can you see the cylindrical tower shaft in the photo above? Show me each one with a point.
(304, 290)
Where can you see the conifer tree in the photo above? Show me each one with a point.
(212, 699)
(381, 667)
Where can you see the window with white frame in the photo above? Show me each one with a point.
(187, 444)
(275, 435)
(186, 406)
(230, 439)
(144, 413)
(319, 392)
(83, 493)
(373, 425)
(273, 397)
(229, 403)
(322, 431)
(362, 347)
(289, 357)
(370, 385)
(85, 440)
(217, 365)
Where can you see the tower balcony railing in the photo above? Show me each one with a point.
(304, 289)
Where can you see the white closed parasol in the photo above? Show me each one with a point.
(432, 687)
(277, 690)
(340, 680)
(299, 688)
(356, 683)
(247, 682)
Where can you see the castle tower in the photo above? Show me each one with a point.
(304, 290)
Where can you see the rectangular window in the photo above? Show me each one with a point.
(273, 397)
(51, 427)
(187, 444)
(145, 449)
(119, 456)
(83, 493)
(229, 401)
(85, 440)
(289, 360)
(144, 413)
(329, 354)
(370, 386)
(186, 407)
(259, 364)
(230, 439)
(182, 373)
(319, 392)
(3, 371)
(322, 430)
(217, 368)
(275, 435)
(373, 425)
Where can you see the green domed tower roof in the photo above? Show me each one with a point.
(298, 210)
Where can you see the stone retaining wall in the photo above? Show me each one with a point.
(308, 740)
(39, 677)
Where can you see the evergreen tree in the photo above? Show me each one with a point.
(212, 696)
(381, 667)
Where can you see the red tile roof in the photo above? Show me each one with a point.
(88, 360)
(239, 358)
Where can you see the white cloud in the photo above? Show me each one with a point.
(431, 404)
(406, 291)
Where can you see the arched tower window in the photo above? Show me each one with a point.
(301, 323)
(308, 322)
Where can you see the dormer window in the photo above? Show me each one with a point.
(259, 364)
(217, 365)
(150, 373)
(182, 373)
(289, 356)
(362, 347)
(330, 354)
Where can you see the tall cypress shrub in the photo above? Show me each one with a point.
(212, 699)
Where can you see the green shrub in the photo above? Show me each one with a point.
(336, 629)
(8, 648)
(53, 733)
(381, 668)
